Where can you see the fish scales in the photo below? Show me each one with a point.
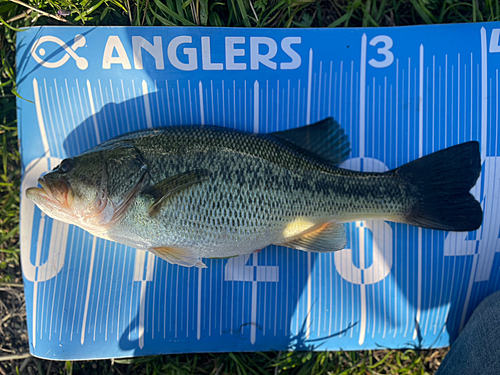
(186, 193)
(257, 186)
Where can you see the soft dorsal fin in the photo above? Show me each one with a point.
(324, 139)
(327, 238)
(171, 185)
(182, 257)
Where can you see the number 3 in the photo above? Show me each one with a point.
(385, 50)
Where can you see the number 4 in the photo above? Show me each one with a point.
(494, 47)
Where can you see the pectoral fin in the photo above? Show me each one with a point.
(171, 185)
(182, 257)
(326, 238)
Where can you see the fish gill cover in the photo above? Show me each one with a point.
(399, 94)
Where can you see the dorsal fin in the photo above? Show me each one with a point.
(324, 140)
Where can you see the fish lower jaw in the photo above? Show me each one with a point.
(44, 195)
(45, 201)
(34, 192)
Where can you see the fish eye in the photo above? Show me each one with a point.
(65, 165)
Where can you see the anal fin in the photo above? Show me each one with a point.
(326, 238)
(182, 257)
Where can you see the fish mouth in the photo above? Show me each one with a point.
(54, 192)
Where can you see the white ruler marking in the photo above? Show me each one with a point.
(89, 286)
(420, 154)
(39, 115)
(309, 88)
(362, 98)
(202, 109)
(92, 109)
(147, 106)
(484, 93)
(256, 111)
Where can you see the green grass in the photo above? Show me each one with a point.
(301, 363)
(15, 14)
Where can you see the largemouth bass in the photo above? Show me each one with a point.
(191, 192)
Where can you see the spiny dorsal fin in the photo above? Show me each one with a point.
(182, 257)
(171, 185)
(328, 237)
(324, 139)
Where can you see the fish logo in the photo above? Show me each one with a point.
(39, 52)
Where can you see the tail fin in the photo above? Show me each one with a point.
(442, 181)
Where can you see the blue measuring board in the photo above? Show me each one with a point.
(400, 93)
